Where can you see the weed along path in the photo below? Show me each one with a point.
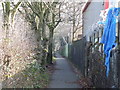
(63, 76)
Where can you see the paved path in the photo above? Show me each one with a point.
(63, 76)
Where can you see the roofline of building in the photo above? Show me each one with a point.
(86, 6)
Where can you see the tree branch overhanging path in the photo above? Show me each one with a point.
(29, 36)
(43, 18)
(46, 15)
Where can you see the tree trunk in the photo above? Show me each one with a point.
(44, 45)
(50, 46)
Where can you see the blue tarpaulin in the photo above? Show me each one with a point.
(109, 35)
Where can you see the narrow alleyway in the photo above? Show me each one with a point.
(63, 76)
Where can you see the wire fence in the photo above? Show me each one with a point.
(89, 58)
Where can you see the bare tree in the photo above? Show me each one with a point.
(71, 12)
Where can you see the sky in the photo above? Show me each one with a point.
(0, 6)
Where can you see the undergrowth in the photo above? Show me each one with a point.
(36, 76)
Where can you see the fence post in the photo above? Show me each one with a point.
(118, 52)
(86, 57)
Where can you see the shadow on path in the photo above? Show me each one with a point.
(63, 76)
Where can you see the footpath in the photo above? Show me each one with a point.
(63, 76)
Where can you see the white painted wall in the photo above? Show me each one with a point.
(90, 17)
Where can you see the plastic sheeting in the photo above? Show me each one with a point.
(109, 35)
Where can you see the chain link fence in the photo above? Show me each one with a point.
(89, 58)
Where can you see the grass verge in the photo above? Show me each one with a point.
(36, 76)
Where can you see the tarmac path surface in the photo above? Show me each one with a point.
(63, 76)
